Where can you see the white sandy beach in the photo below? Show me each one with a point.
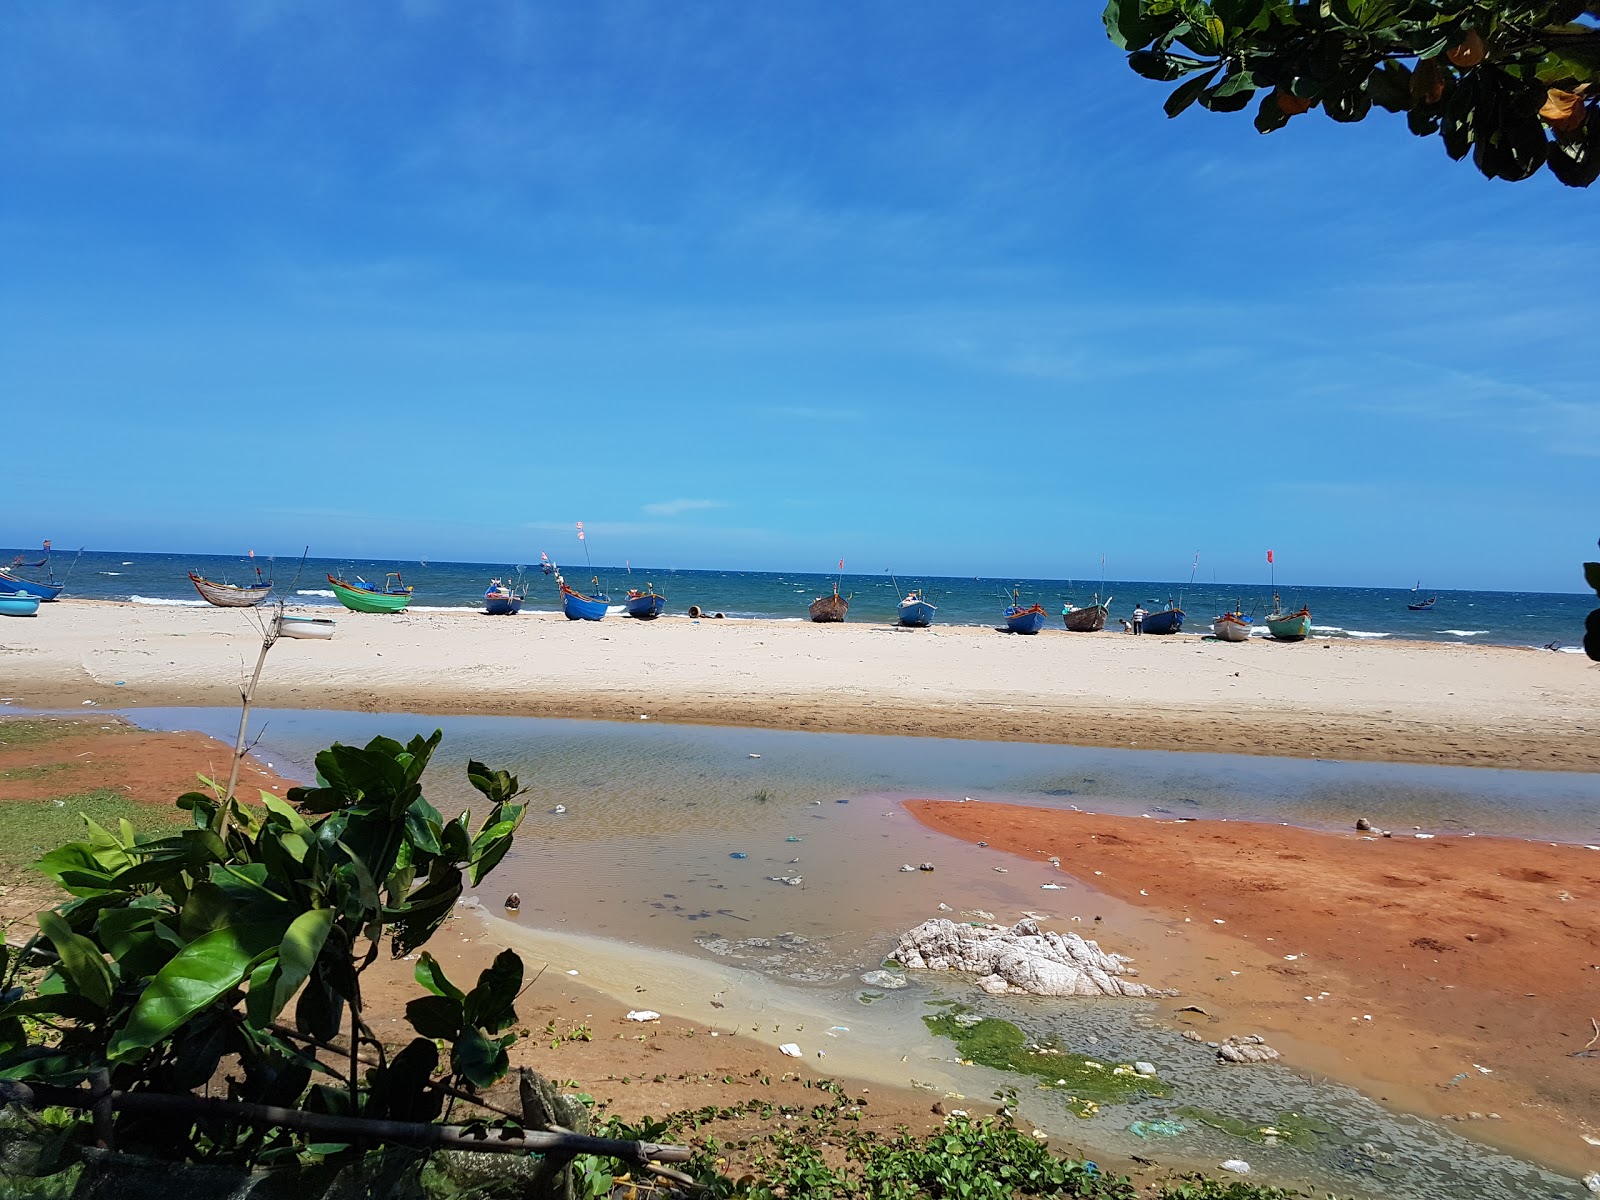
(1403, 701)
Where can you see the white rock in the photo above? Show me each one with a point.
(885, 979)
(1146, 1069)
(1022, 959)
(1592, 1182)
(1250, 1049)
(644, 1014)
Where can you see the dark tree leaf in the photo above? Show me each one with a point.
(1187, 92)
(489, 1005)
(1591, 575)
(435, 1016)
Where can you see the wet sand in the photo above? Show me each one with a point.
(1386, 701)
(1401, 965)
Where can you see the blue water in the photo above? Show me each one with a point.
(1507, 618)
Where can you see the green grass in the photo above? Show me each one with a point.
(1296, 1130)
(39, 771)
(29, 828)
(26, 731)
(1001, 1045)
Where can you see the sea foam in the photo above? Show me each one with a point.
(167, 603)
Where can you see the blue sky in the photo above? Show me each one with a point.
(936, 287)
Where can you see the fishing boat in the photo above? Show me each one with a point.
(1168, 620)
(916, 612)
(318, 629)
(1024, 620)
(1091, 618)
(228, 595)
(829, 608)
(18, 604)
(1231, 627)
(1288, 626)
(1424, 605)
(504, 599)
(645, 605)
(13, 584)
(579, 607)
(364, 597)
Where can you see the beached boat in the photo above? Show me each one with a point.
(645, 605)
(1288, 626)
(363, 597)
(916, 612)
(14, 584)
(504, 599)
(18, 604)
(579, 607)
(1231, 627)
(829, 608)
(318, 629)
(1168, 620)
(1091, 618)
(228, 595)
(1025, 620)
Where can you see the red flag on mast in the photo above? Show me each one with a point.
(1269, 555)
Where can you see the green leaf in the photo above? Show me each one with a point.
(1128, 26)
(1389, 85)
(1591, 575)
(1591, 635)
(431, 976)
(1187, 92)
(435, 1016)
(1269, 117)
(477, 1059)
(423, 826)
(81, 960)
(489, 1005)
(297, 954)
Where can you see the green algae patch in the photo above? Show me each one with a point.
(16, 732)
(1292, 1129)
(999, 1044)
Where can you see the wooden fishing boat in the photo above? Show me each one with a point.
(1168, 620)
(579, 607)
(228, 595)
(318, 629)
(503, 599)
(1231, 627)
(1425, 605)
(829, 608)
(645, 605)
(1025, 620)
(12, 583)
(19, 604)
(1288, 626)
(1091, 618)
(363, 597)
(916, 612)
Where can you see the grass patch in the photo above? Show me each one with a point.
(30, 828)
(38, 771)
(1001, 1045)
(17, 732)
(1301, 1132)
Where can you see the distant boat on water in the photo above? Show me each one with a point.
(1231, 627)
(229, 595)
(916, 612)
(1091, 618)
(364, 597)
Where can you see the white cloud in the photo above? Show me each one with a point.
(676, 508)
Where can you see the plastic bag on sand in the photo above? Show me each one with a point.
(644, 1014)
(790, 1049)
(1237, 1165)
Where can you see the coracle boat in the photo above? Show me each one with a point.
(1288, 626)
(579, 607)
(1168, 620)
(1231, 627)
(829, 608)
(1091, 618)
(228, 595)
(18, 604)
(916, 612)
(645, 605)
(318, 629)
(363, 597)
(502, 599)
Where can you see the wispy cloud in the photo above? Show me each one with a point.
(676, 508)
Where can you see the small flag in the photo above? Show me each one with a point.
(580, 535)
(841, 564)
(580, 524)
(47, 543)
(543, 557)
(1269, 555)
(252, 554)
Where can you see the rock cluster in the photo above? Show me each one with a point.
(1250, 1049)
(1022, 959)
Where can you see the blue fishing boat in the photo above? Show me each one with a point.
(504, 599)
(1024, 620)
(18, 604)
(13, 584)
(645, 605)
(1169, 620)
(916, 612)
(579, 607)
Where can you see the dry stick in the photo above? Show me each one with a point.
(1596, 1037)
(268, 637)
(395, 1133)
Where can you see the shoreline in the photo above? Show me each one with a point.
(1402, 966)
(1375, 700)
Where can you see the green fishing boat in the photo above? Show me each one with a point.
(1288, 626)
(361, 596)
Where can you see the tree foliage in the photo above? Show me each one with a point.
(1514, 84)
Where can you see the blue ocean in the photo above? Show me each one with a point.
(1504, 618)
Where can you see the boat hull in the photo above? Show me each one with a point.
(645, 608)
(502, 606)
(918, 614)
(1290, 627)
(1025, 620)
(1170, 621)
(316, 629)
(579, 607)
(19, 604)
(364, 601)
(226, 595)
(1085, 620)
(1228, 628)
(1424, 607)
(16, 585)
(829, 608)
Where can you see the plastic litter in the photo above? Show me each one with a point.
(738, 854)
(1237, 1165)
(790, 1049)
(644, 1014)
(1162, 1128)
(791, 838)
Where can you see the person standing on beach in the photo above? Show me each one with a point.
(1138, 620)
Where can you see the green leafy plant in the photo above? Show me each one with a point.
(177, 953)
(1515, 85)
